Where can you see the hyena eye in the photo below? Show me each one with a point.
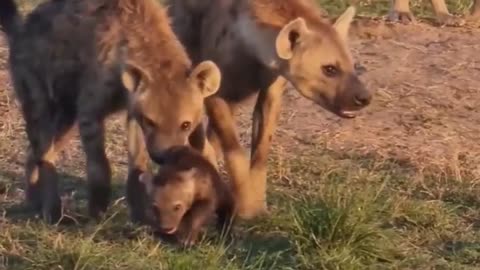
(330, 71)
(186, 126)
(148, 123)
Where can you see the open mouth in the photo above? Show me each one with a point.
(325, 103)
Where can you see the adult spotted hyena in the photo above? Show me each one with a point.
(75, 62)
(400, 10)
(259, 46)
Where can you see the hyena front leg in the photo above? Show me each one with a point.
(400, 11)
(476, 9)
(199, 141)
(236, 162)
(92, 133)
(47, 132)
(443, 16)
(193, 222)
(214, 141)
(41, 176)
(93, 107)
(42, 179)
(265, 118)
(137, 164)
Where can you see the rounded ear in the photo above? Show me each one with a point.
(342, 24)
(289, 37)
(146, 179)
(207, 77)
(134, 78)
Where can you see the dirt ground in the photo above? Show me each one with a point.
(425, 110)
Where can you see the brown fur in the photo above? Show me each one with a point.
(276, 14)
(76, 62)
(259, 46)
(185, 194)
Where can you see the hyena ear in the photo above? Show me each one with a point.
(207, 77)
(342, 24)
(134, 78)
(146, 179)
(289, 37)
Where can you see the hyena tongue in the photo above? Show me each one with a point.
(349, 114)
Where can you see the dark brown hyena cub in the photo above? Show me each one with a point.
(185, 194)
(74, 63)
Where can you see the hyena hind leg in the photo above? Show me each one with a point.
(46, 137)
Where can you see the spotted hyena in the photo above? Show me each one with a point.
(76, 62)
(259, 46)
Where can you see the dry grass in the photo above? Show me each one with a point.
(396, 188)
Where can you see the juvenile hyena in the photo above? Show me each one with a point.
(400, 10)
(75, 62)
(185, 194)
(259, 46)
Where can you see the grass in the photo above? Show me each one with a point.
(328, 211)
(376, 8)
(350, 215)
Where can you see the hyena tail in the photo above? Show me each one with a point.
(9, 17)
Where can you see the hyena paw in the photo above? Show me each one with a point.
(52, 210)
(474, 18)
(404, 17)
(98, 201)
(450, 20)
(247, 211)
(137, 216)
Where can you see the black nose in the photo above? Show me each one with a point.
(362, 99)
(158, 157)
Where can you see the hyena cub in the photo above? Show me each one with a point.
(73, 63)
(185, 194)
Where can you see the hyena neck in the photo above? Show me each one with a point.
(259, 41)
(260, 21)
(148, 32)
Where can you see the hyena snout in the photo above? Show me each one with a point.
(353, 96)
(159, 149)
(357, 95)
(362, 98)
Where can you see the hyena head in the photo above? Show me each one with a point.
(171, 193)
(317, 61)
(168, 110)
